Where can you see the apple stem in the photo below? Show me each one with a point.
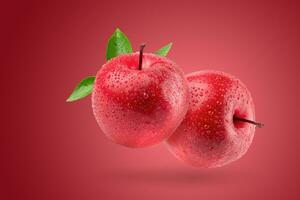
(141, 55)
(259, 125)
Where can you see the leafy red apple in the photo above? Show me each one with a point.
(219, 125)
(139, 99)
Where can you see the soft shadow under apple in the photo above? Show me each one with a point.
(172, 176)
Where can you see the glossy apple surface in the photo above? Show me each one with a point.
(138, 108)
(209, 136)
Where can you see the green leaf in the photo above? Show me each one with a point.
(164, 50)
(118, 44)
(83, 89)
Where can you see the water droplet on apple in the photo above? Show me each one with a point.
(145, 94)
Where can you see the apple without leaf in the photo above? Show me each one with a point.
(139, 99)
(219, 125)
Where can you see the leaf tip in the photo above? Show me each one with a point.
(169, 46)
(117, 31)
(83, 89)
(164, 50)
(69, 99)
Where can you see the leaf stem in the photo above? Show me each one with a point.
(141, 55)
(259, 125)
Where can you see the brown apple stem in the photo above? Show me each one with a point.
(141, 55)
(259, 125)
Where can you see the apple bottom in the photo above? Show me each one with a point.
(205, 153)
(133, 129)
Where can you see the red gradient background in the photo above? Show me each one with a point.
(51, 149)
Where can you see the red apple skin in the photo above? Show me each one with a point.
(208, 136)
(138, 108)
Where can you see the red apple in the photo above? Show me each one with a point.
(219, 125)
(139, 99)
